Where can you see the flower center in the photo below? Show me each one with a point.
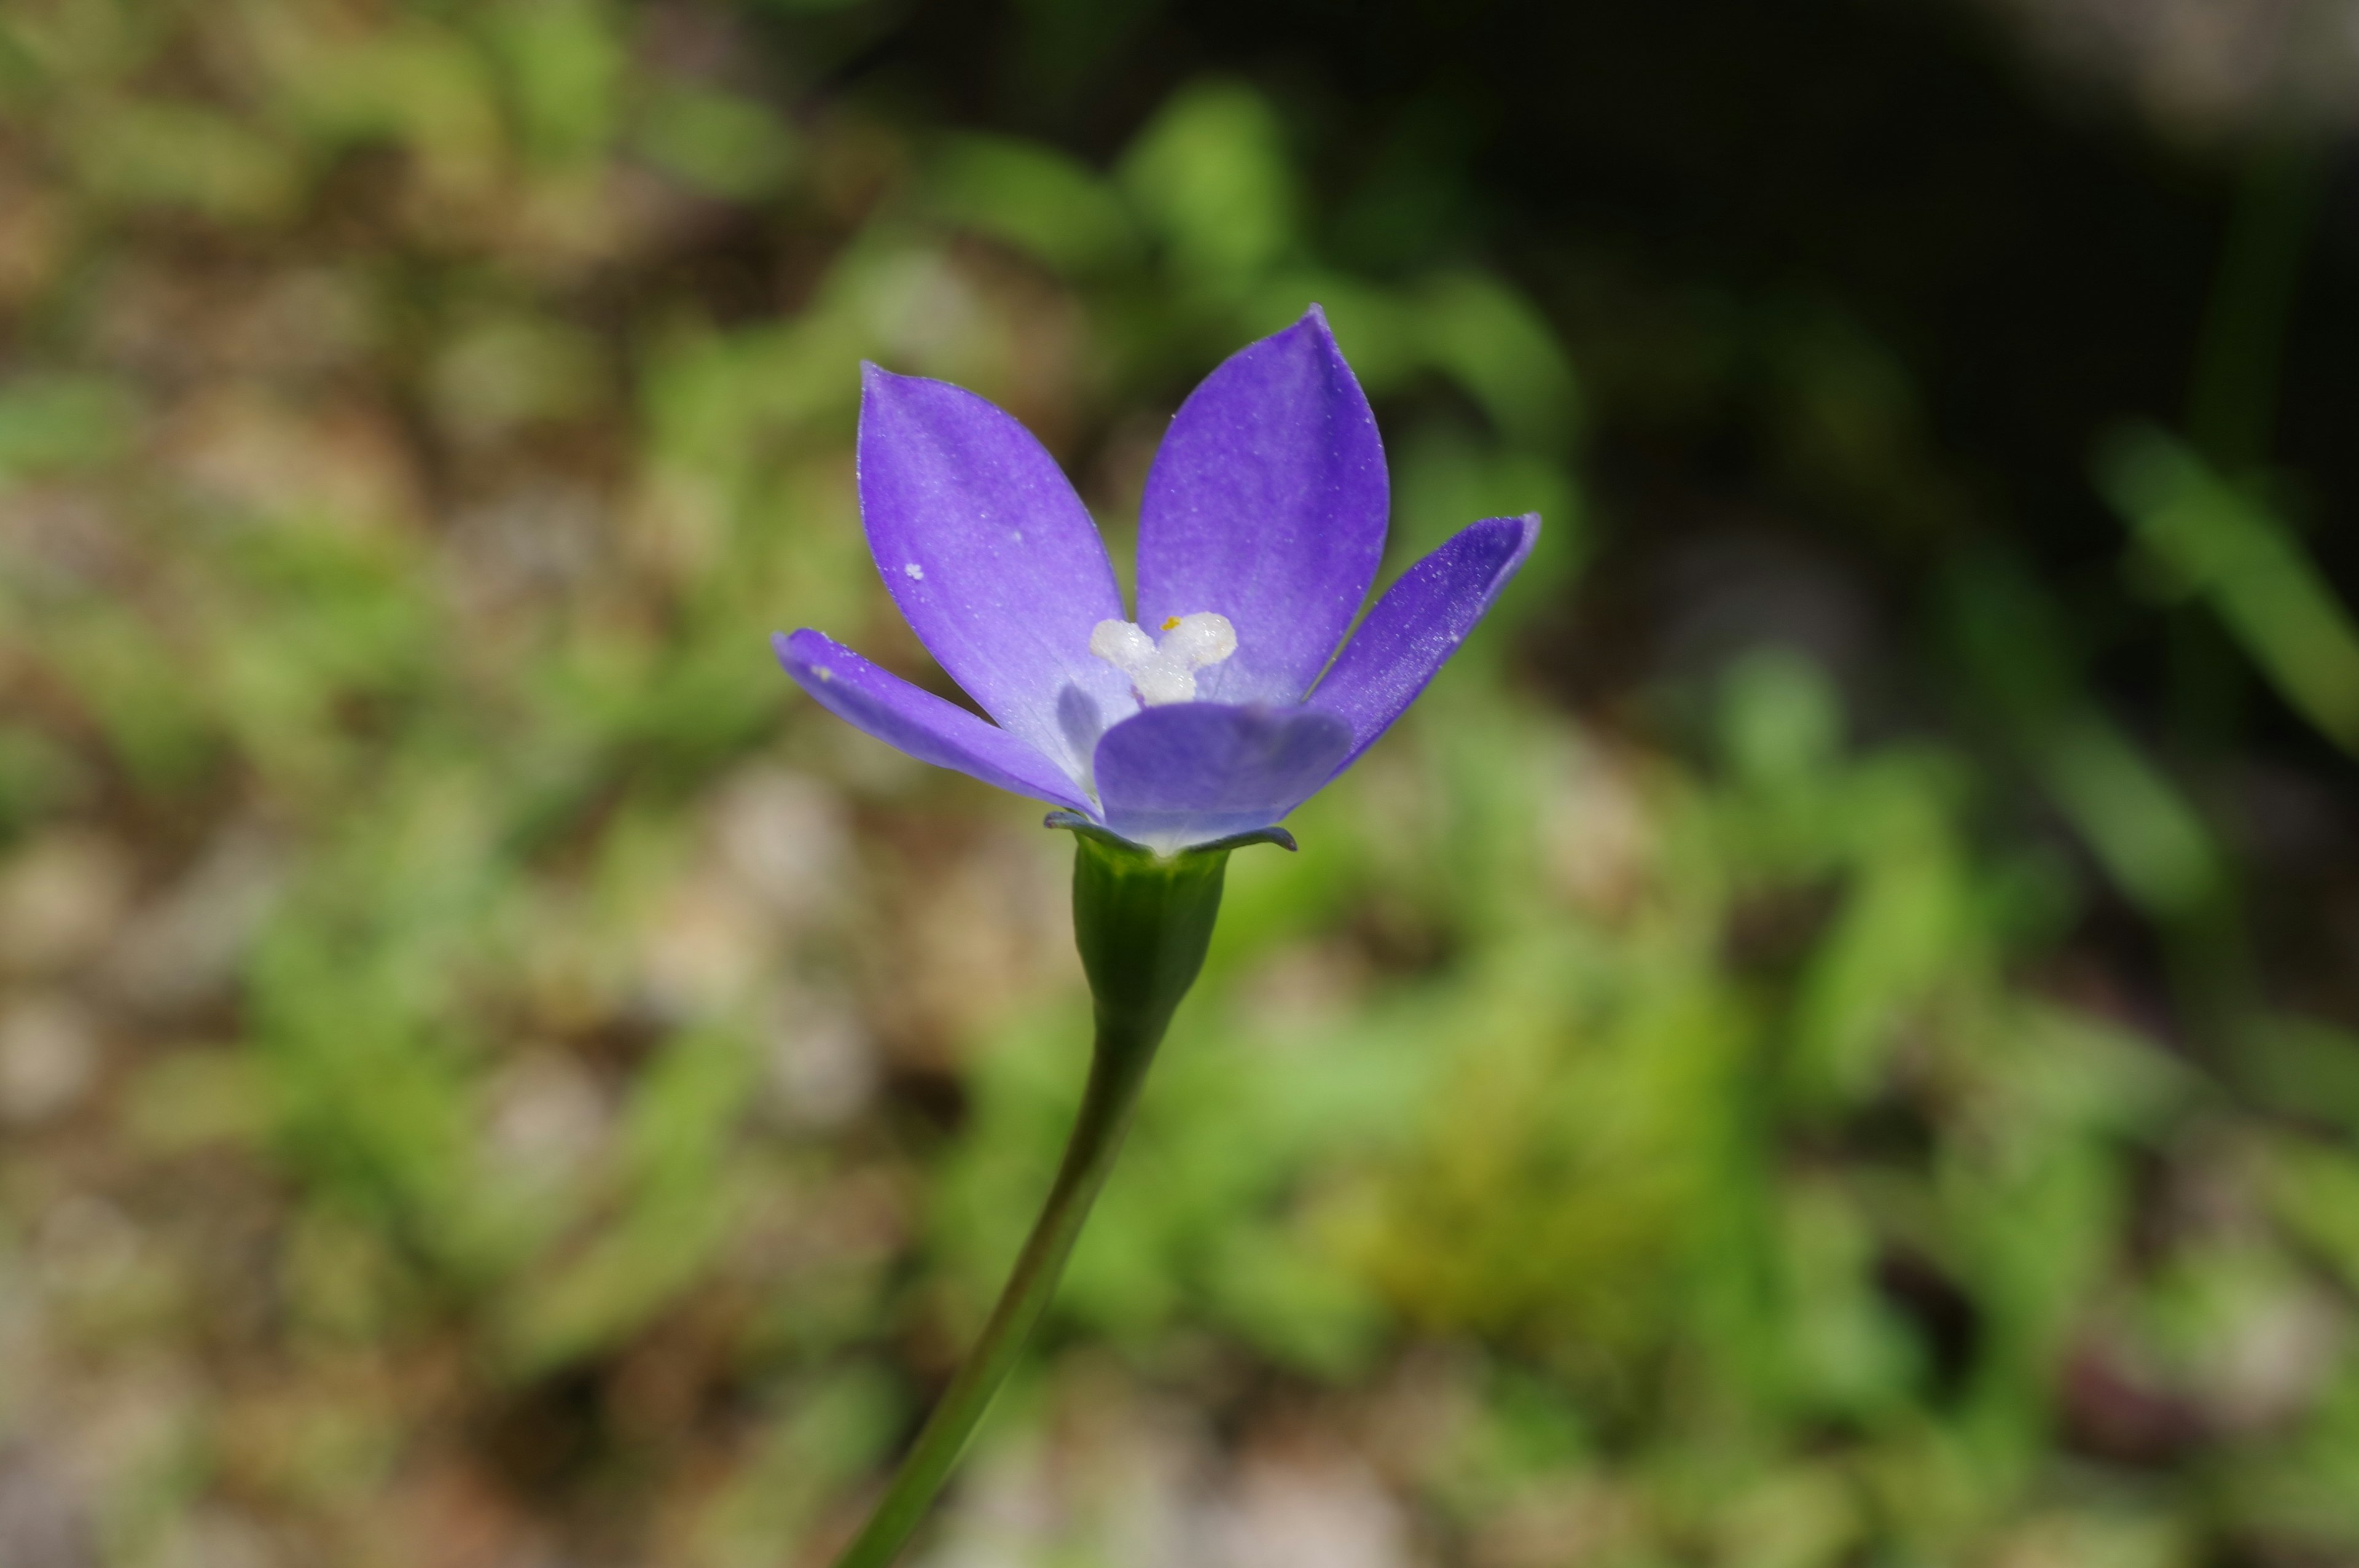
(1166, 671)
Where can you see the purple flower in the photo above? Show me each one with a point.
(1226, 704)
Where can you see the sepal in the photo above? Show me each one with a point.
(1074, 821)
(1142, 922)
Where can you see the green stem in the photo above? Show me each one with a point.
(1142, 922)
(1097, 1136)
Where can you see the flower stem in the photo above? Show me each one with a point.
(1142, 922)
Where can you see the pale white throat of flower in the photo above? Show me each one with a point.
(1164, 671)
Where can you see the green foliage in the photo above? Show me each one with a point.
(550, 1082)
(2206, 536)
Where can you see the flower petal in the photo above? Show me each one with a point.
(993, 560)
(1190, 773)
(1266, 504)
(1418, 624)
(919, 722)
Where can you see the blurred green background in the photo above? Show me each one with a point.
(1827, 1038)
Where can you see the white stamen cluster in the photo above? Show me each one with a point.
(1165, 672)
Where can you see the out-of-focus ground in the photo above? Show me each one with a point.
(1826, 1039)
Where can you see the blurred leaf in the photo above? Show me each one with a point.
(153, 712)
(37, 777)
(1781, 721)
(1851, 1353)
(2149, 839)
(81, 45)
(1505, 353)
(61, 422)
(1212, 176)
(566, 64)
(676, 1206)
(2219, 542)
(2314, 1190)
(1902, 935)
(200, 1097)
(150, 152)
(2301, 1067)
(506, 370)
(1444, 479)
(823, 1432)
(721, 143)
(411, 83)
(1800, 1518)
(1032, 197)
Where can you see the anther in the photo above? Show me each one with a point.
(1165, 673)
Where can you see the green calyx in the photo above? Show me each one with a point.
(1142, 922)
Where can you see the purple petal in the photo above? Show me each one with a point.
(1418, 624)
(919, 722)
(993, 560)
(1190, 773)
(1266, 504)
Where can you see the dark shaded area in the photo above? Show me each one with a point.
(2038, 262)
